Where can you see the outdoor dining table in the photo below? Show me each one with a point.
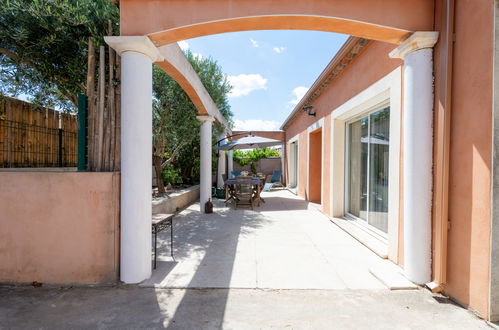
(229, 190)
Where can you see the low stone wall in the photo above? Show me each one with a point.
(176, 201)
(264, 165)
(59, 227)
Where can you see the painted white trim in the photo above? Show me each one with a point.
(138, 44)
(394, 165)
(294, 139)
(367, 99)
(292, 176)
(322, 168)
(387, 89)
(337, 167)
(316, 125)
(307, 161)
(418, 40)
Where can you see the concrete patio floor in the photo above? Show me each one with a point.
(131, 307)
(282, 266)
(283, 244)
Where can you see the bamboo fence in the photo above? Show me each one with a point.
(104, 114)
(33, 136)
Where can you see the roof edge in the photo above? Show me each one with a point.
(345, 49)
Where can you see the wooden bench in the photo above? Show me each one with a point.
(160, 222)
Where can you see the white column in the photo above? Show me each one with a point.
(230, 163)
(221, 163)
(205, 180)
(137, 55)
(417, 53)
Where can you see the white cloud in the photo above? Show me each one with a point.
(184, 45)
(279, 50)
(256, 125)
(199, 56)
(298, 93)
(244, 84)
(254, 43)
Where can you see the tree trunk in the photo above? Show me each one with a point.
(91, 104)
(157, 160)
(111, 104)
(100, 108)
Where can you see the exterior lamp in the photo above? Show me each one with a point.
(308, 109)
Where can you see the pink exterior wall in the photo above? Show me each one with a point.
(471, 156)
(59, 227)
(468, 248)
(359, 75)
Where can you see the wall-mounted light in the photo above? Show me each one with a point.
(309, 109)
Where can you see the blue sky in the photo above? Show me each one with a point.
(270, 70)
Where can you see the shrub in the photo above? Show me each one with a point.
(251, 157)
(171, 175)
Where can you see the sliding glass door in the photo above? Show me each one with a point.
(368, 154)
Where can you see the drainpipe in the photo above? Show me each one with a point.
(441, 209)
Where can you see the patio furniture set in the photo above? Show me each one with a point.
(245, 190)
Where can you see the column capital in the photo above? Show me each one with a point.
(139, 44)
(417, 40)
(205, 118)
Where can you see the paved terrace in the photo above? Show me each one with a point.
(283, 244)
(284, 265)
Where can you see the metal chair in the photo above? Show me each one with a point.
(276, 178)
(234, 174)
(244, 191)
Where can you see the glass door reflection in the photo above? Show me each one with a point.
(368, 151)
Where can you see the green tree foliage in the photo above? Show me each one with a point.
(251, 157)
(43, 47)
(171, 174)
(175, 127)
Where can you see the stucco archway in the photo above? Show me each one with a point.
(162, 23)
(169, 21)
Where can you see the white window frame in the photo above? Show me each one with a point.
(363, 222)
(388, 88)
(291, 164)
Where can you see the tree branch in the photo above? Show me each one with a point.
(16, 58)
(174, 154)
(13, 56)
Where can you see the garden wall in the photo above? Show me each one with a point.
(176, 201)
(264, 165)
(59, 227)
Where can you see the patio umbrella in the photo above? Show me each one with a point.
(250, 142)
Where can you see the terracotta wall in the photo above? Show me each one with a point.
(59, 227)
(470, 146)
(360, 74)
(315, 166)
(470, 155)
(372, 65)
